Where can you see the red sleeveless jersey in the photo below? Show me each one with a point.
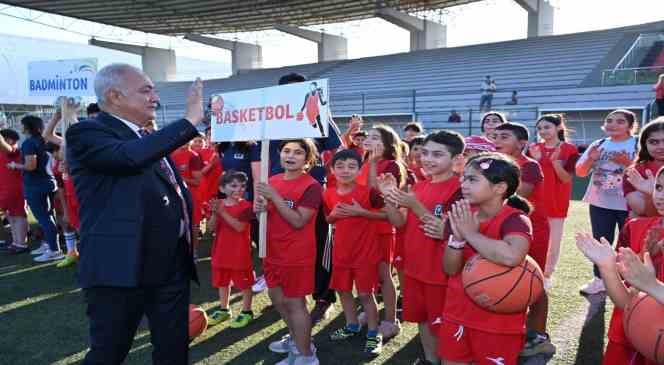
(232, 249)
(286, 245)
(633, 235)
(459, 308)
(423, 256)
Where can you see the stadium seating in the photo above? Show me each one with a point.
(550, 73)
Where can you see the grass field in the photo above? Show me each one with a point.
(42, 319)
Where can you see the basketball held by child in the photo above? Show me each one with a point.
(502, 289)
(197, 321)
(643, 321)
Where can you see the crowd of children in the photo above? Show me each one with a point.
(406, 215)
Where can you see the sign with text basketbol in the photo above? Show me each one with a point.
(298, 110)
(62, 77)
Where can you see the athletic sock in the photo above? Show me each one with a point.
(70, 241)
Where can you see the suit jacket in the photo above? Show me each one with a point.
(130, 213)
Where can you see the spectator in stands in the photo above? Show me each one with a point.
(39, 185)
(488, 88)
(514, 100)
(412, 130)
(323, 295)
(92, 110)
(454, 117)
(659, 95)
(489, 123)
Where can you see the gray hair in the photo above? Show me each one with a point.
(110, 77)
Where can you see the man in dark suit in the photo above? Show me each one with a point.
(136, 256)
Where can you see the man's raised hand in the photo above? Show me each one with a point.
(194, 112)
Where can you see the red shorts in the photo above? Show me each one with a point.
(387, 243)
(622, 354)
(196, 212)
(539, 247)
(13, 205)
(365, 279)
(294, 281)
(423, 302)
(72, 211)
(241, 279)
(462, 344)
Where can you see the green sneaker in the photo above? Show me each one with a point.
(69, 260)
(242, 320)
(342, 334)
(374, 345)
(218, 317)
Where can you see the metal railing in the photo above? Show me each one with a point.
(632, 76)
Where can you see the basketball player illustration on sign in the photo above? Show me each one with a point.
(311, 100)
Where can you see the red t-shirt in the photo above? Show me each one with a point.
(633, 235)
(641, 167)
(423, 256)
(459, 308)
(188, 161)
(232, 249)
(382, 167)
(210, 181)
(11, 181)
(555, 202)
(531, 173)
(287, 246)
(355, 243)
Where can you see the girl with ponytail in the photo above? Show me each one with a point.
(557, 158)
(499, 232)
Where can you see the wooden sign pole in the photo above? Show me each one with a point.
(262, 217)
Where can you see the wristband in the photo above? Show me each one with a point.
(457, 245)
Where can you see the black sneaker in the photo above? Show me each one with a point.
(537, 343)
(320, 312)
(16, 249)
(421, 361)
(342, 333)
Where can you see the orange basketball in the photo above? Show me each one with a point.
(643, 321)
(197, 321)
(502, 289)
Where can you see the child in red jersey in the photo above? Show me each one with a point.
(355, 255)
(292, 200)
(644, 236)
(384, 157)
(557, 158)
(190, 166)
(511, 139)
(637, 186)
(498, 229)
(211, 171)
(231, 250)
(424, 284)
(415, 157)
(12, 202)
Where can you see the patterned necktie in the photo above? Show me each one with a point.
(166, 169)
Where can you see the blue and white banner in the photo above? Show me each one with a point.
(62, 77)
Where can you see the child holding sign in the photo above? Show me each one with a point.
(292, 200)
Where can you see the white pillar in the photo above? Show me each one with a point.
(245, 56)
(424, 34)
(540, 17)
(158, 63)
(330, 47)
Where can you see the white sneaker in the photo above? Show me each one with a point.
(594, 286)
(283, 346)
(49, 256)
(260, 285)
(40, 250)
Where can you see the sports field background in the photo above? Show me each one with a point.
(42, 318)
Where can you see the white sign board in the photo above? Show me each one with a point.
(298, 110)
(62, 77)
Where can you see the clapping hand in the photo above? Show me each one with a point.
(434, 227)
(599, 252)
(621, 158)
(645, 185)
(594, 153)
(535, 152)
(640, 275)
(463, 220)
